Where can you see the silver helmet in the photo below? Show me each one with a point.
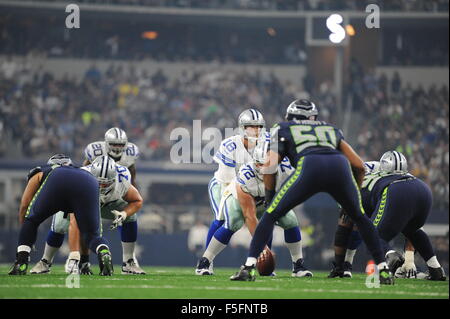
(116, 141)
(104, 169)
(60, 159)
(251, 117)
(393, 162)
(301, 109)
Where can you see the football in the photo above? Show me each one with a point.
(266, 262)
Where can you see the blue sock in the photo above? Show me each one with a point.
(223, 235)
(292, 235)
(262, 235)
(215, 225)
(128, 232)
(55, 239)
(355, 240)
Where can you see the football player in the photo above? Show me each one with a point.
(119, 201)
(55, 236)
(54, 188)
(124, 153)
(232, 154)
(242, 203)
(323, 162)
(399, 202)
(347, 232)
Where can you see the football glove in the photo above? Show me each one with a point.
(409, 270)
(120, 218)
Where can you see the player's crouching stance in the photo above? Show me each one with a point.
(233, 152)
(119, 202)
(397, 202)
(55, 188)
(243, 202)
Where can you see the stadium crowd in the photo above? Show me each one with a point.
(183, 42)
(44, 115)
(283, 5)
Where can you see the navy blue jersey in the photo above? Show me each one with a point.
(295, 139)
(374, 185)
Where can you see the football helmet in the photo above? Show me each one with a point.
(116, 141)
(60, 159)
(301, 109)
(104, 169)
(251, 117)
(393, 162)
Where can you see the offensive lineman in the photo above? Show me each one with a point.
(242, 202)
(233, 152)
(398, 202)
(54, 188)
(124, 153)
(119, 200)
(324, 163)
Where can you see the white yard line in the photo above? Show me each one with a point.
(372, 291)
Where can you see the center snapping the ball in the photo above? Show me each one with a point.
(266, 262)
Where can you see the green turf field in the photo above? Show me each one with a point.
(181, 283)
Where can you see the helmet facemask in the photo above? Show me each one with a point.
(251, 125)
(115, 149)
(104, 170)
(116, 141)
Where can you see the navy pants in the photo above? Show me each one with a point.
(404, 208)
(70, 190)
(330, 173)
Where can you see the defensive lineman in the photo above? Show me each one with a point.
(324, 163)
(55, 188)
(399, 202)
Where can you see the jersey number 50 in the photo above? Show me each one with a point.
(306, 136)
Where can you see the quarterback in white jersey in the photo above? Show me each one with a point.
(242, 203)
(233, 152)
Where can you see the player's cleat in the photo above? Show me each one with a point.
(386, 278)
(18, 269)
(131, 268)
(72, 266)
(394, 260)
(347, 267)
(204, 267)
(41, 267)
(436, 274)
(246, 273)
(299, 269)
(85, 269)
(337, 271)
(105, 262)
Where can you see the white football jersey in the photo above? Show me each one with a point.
(121, 187)
(251, 181)
(231, 155)
(96, 149)
(371, 167)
